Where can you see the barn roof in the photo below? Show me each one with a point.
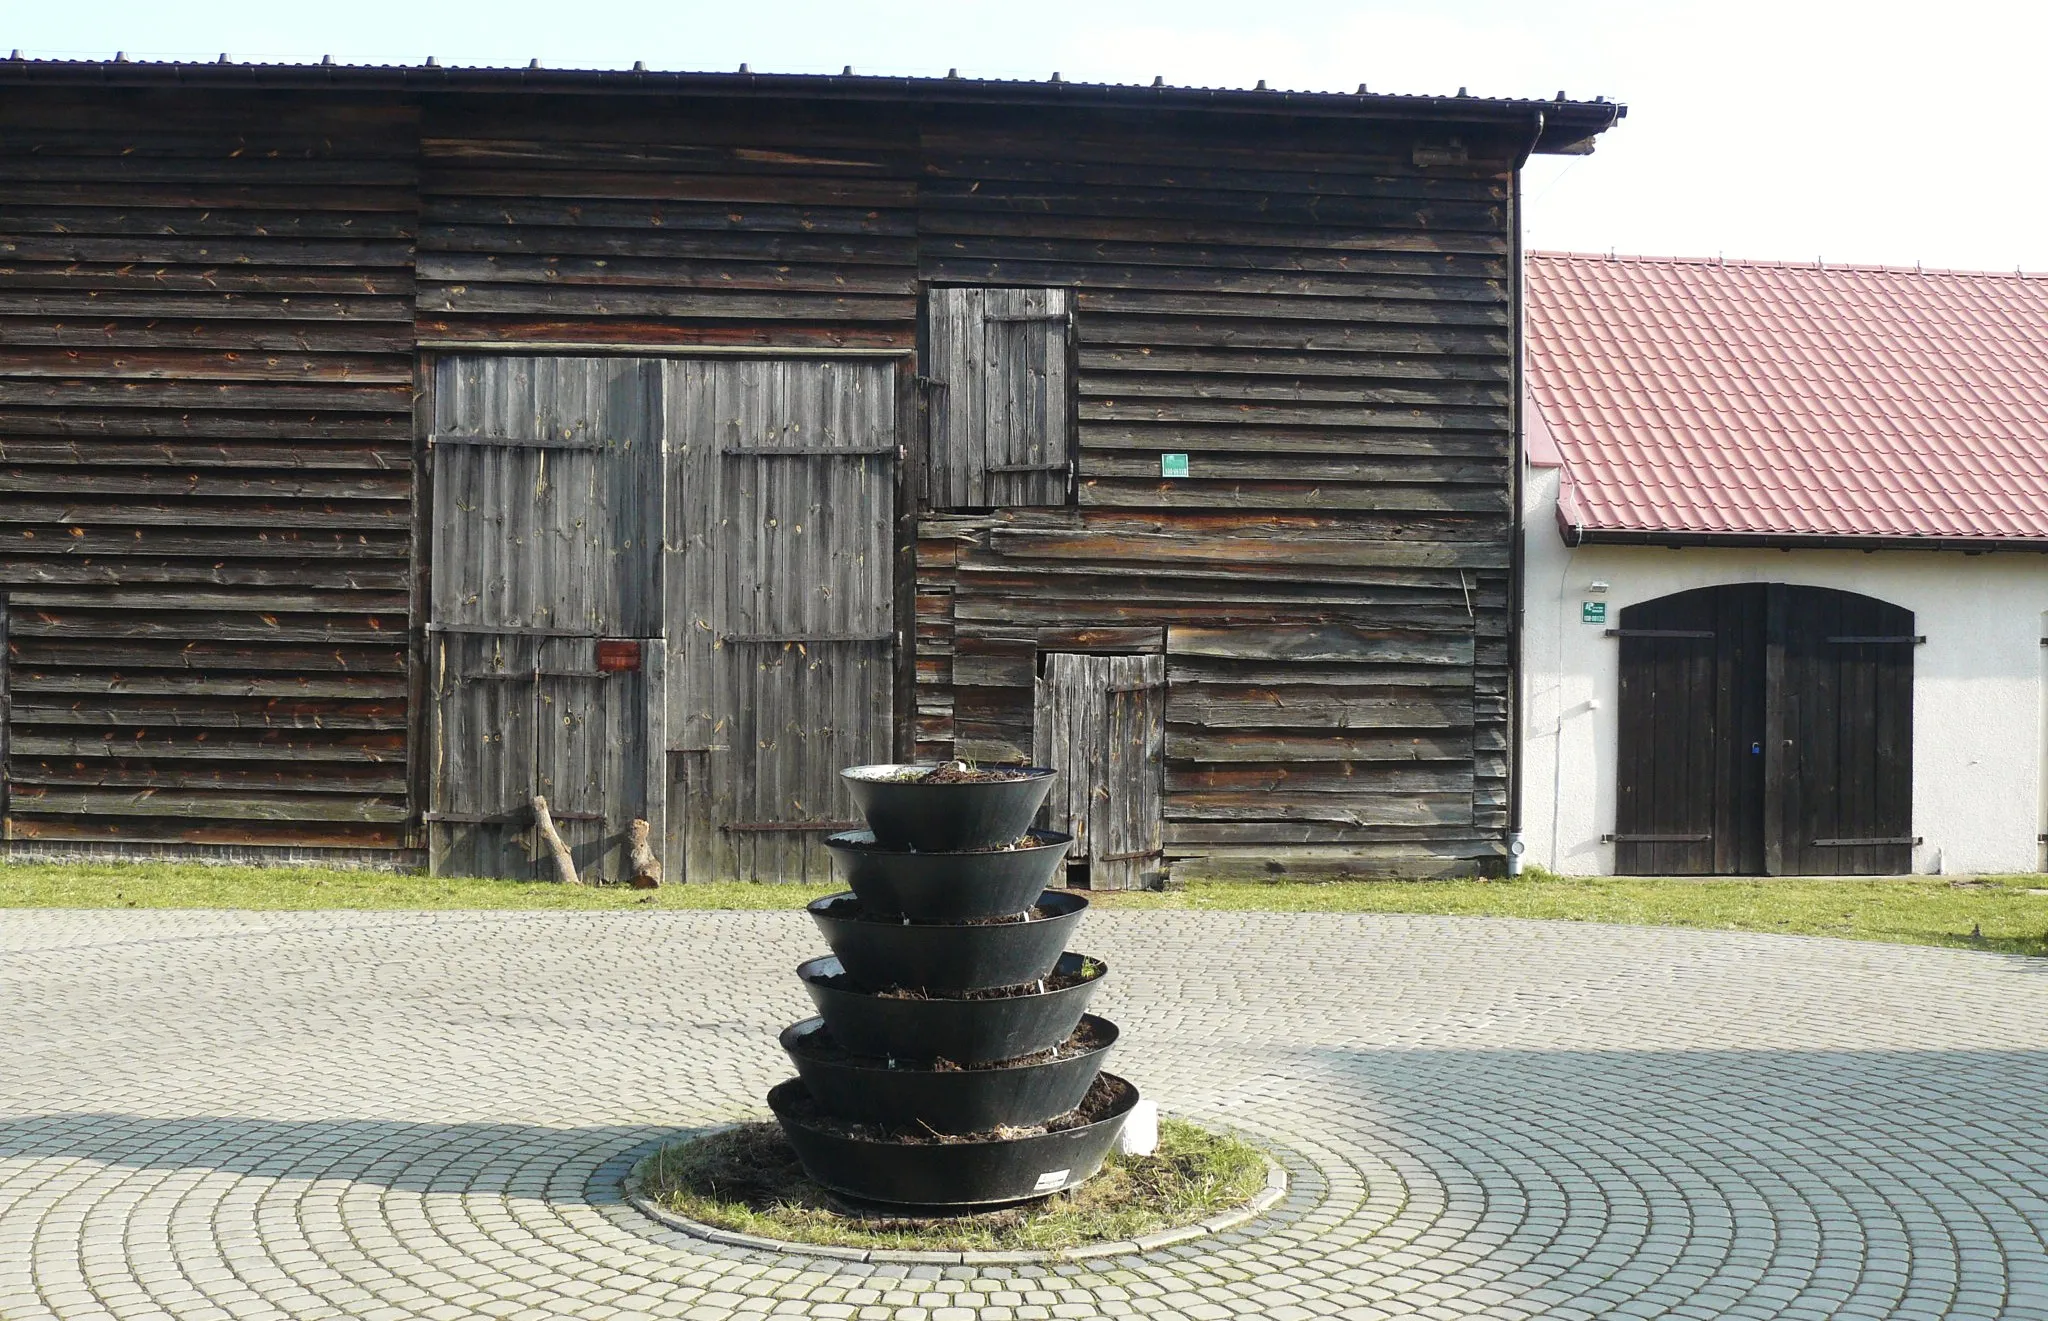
(1557, 126)
(1779, 403)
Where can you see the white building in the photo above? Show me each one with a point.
(1782, 591)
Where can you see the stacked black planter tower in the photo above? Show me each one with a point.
(952, 1063)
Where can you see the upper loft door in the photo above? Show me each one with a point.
(1001, 431)
(544, 631)
(782, 498)
(1765, 729)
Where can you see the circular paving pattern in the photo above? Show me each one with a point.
(383, 1116)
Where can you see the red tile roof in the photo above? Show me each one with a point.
(1764, 399)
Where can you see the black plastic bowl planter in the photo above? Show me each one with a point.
(952, 1100)
(946, 886)
(964, 1031)
(884, 951)
(907, 814)
(981, 1172)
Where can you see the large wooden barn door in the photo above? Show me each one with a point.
(1839, 742)
(545, 631)
(1100, 721)
(782, 509)
(1690, 780)
(1764, 730)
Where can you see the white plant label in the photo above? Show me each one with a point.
(1052, 1181)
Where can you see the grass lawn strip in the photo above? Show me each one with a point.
(2005, 914)
(747, 1180)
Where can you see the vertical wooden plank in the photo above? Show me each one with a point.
(1777, 761)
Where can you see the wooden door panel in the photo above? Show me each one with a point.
(1100, 721)
(782, 487)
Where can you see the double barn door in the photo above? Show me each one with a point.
(1765, 729)
(660, 590)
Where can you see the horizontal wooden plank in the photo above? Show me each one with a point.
(329, 777)
(178, 364)
(128, 170)
(1396, 469)
(1290, 781)
(235, 805)
(392, 574)
(212, 196)
(266, 395)
(268, 600)
(153, 830)
(1166, 548)
(177, 745)
(204, 711)
(938, 248)
(239, 248)
(1130, 410)
(192, 303)
(1119, 167)
(663, 303)
(366, 687)
(210, 655)
(208, 482)
(1302, 706)
(1203, 364)
(1253, 328)
(315, 431)
(937, 217)
(1323, 644)
(1187, 744)
(1400, 824)
(26, 279)
(1361, 808)
(236, 626)
(976, 196)
(625, 273)
(523, 210)
(723, 243)
(444, 180)
(208, 511)
(1188, 493)
(590, 152)
(1182, 669)
(117, 543)
(171, 219)
(212, 337)
(1111, 610)
(965, 269)
(1421, 860)
(564, 333)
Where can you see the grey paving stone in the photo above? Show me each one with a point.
(402, 1116)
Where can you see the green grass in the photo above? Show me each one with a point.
(747, 1180)
(2008, 914)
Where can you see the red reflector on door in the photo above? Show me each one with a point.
(618, 654)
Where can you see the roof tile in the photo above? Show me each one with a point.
(1765, 398)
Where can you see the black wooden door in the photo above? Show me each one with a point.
(1690, 793)
(1841, 779)
(1764, 730)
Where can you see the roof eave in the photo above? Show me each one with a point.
(1587, 536)
(1567, 127)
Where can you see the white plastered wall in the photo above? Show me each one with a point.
(1978, 717)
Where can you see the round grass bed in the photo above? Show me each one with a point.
(747, 1180)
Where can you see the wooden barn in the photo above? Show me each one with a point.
(382, 447)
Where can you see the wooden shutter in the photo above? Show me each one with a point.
(1100, 721)
(1000, 429)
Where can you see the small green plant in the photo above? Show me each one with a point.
(747, 1180)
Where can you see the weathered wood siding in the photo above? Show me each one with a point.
(1323, 326)
(666, 221)
(206, 426)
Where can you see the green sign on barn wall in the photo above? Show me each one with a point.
(1592, 612)
(1173, 465)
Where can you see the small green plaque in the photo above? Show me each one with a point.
(1592, 612)
(1173, 465)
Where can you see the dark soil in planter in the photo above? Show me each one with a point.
(1059, 981)
(1100, 1102)
(851, 910)
(954, 772)
(1087, 1037)
(1027, 840)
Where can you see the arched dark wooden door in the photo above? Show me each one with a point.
(1765, 729)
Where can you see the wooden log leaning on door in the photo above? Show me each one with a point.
(544, 824)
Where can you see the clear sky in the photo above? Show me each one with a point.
(1796, 129)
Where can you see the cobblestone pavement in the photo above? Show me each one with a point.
(379, 1115)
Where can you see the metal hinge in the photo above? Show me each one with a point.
(1659, 633)
(1864, 843)
(1655, 839)
(1898, 639)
